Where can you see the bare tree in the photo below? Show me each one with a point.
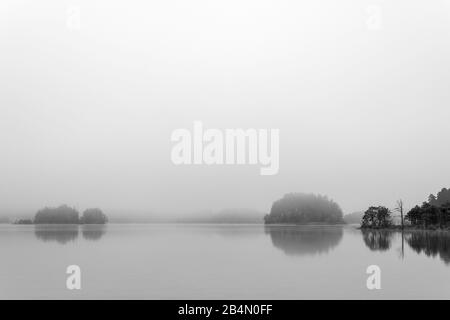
(399, 208)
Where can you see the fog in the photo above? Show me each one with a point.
(87, 106)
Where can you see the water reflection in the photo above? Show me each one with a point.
(378, 240)
(64, 234)
(304, 240)
(93, 232)
(432, 243)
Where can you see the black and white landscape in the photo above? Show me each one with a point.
(209, 149)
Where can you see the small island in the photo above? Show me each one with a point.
(66, 215)
(302, 208)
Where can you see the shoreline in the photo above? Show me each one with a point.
(355, 226)
(407, 228)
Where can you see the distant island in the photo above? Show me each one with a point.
(302, 208)
(292, 208)
(66, 215)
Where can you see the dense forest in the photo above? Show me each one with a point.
(67, 215)
(60, 215)
(432, 214)
(442, 198)
(302, 208)
(429, 215)
(93, 216)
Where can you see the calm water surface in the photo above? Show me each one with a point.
(154, 261)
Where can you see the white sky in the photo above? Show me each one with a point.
(86, 115)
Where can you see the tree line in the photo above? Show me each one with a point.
(67, 215)
(434, 213)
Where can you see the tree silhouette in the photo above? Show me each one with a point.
(441, 198)
(430, 215)
(376, 217)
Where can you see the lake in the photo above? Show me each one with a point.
(175, 261)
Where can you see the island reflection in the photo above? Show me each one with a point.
(378, 240)
(93, 232)
(64, 234)
(304, 240)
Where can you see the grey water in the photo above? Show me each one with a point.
(183, 261)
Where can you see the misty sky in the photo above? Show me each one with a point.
(86, 114)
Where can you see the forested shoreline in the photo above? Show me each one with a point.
(433, 214)
(291, 209)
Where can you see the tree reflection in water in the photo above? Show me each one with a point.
(62, 234)
(378, 240)
(93, 232)
(305, 240)
(66, 233)
(432, 243)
